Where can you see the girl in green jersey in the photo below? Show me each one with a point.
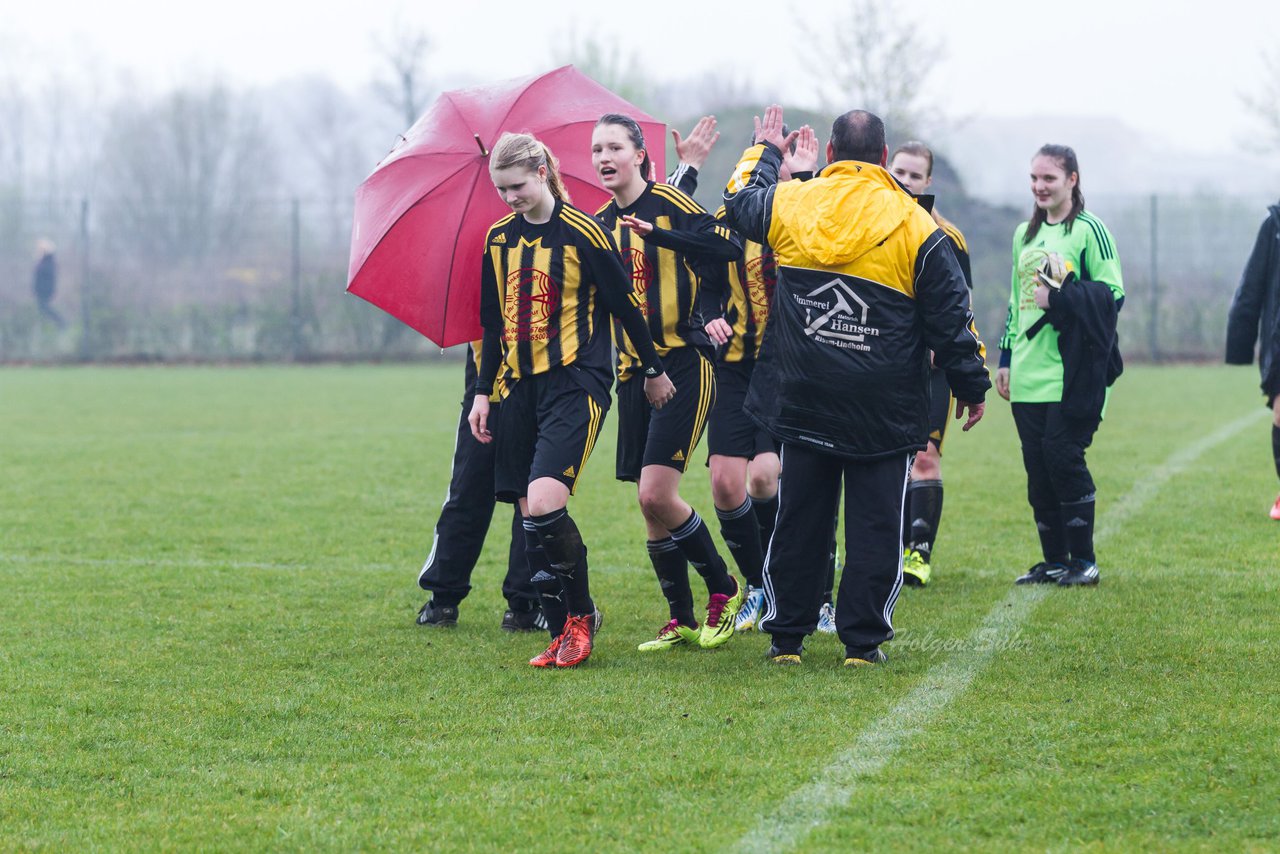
(1062, 242)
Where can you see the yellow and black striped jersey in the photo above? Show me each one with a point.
(958, 245)
(664, 266)
(475, 348)
(746, 290)
(546, 291)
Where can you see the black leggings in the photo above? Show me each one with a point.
(1053, 447)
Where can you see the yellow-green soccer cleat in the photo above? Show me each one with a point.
(722, 614)
(670, 636)
(915, 569)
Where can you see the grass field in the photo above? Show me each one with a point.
(207, 641)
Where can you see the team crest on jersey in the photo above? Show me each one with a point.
(834, 314)
(641, 276)
(762, 278)
(532, 298)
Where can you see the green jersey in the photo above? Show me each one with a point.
(1035, 372)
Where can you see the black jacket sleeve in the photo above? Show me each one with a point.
(491, 321)
(748, 199)
(942, 301)
(614, 288)
(1247, 305)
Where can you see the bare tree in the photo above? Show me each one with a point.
(402, 85)
(185, 174)
(606, 62)
(872, 57)
(1265, 101)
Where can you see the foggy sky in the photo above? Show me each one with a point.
(1167, 69)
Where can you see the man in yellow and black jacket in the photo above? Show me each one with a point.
(867, 285)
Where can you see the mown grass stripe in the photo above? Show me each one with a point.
(813, 804)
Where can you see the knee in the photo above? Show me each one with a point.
(654, 503)
(726, 490)
(928, 465)
(762, 484)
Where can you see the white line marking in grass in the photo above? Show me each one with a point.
(812, 805)
(183, 563)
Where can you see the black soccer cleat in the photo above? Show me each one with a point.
(789, 656)
(1081, 573)
(1042, 573)
(524, 621)
(437, 616)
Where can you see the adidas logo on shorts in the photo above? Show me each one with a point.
(569, 472)
(678, 456)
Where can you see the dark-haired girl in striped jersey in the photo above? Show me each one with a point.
(551, 278)
(912, 164)
(664, 234)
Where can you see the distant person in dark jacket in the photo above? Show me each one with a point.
(1255, 318)
(45, 281)
(867, 286)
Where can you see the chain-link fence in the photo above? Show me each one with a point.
(265, 280)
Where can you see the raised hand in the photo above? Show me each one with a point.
(770, 128)
(805, 157)
(695, 148)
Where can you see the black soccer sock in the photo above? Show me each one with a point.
(1275, 446)
(694, 539)
(766, 510)
(550, 590)
(924, 498)
(742, 537)
(568, 558)
(1077, 517)
(672, 569)
(1053, 537)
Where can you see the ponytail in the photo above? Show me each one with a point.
(554, 180)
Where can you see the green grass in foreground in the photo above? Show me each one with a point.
(207, 641)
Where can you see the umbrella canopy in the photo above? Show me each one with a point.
(422, 216)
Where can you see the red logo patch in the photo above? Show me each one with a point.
(762, 279)
(641, 276)
(532, 297)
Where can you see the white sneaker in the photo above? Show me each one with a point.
(752, 610)
(827, 619)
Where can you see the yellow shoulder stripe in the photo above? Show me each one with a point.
(502, 223)
(604, 208)
(591, 229)
(954, 233)
(721, 212)
(678, 198)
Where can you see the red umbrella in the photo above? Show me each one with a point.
(422, 216)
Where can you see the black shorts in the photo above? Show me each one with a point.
(940, 405)
(666, 436)
(547, 427)
(731, 432)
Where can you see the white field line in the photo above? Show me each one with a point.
(181, 563)
(813, 804)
